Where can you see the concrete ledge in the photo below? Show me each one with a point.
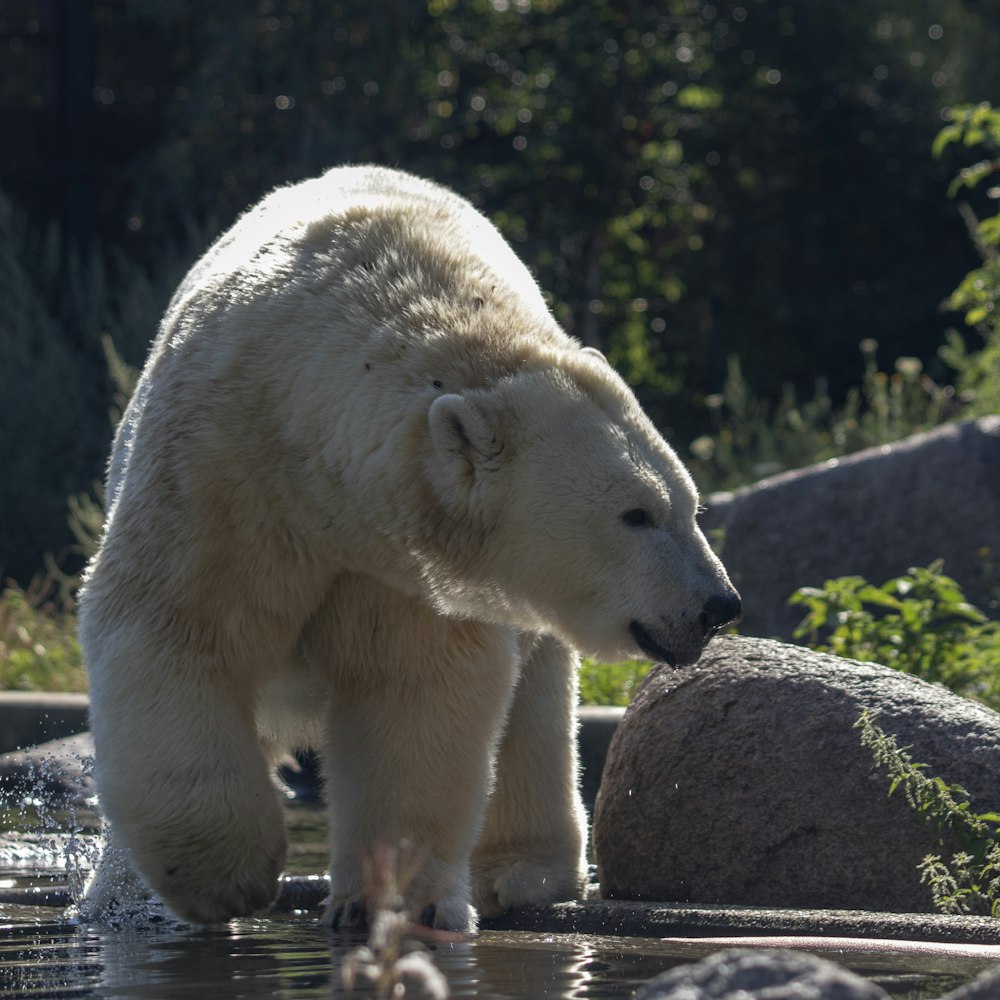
(666, 920)
(716, 926)
(31, 717)
(597, 725)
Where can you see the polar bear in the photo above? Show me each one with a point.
(369, 496)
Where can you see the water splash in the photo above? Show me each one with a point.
(49, 810)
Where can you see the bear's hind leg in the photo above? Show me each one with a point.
(533, 846)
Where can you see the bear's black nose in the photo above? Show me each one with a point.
(720, 611)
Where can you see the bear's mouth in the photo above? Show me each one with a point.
(650, 646)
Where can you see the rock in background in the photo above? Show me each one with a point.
(873, 514)
(742, 781)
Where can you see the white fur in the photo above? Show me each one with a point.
(368, 494)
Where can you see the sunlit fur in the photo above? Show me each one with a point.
(368, 495)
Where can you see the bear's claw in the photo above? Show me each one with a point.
(350, 915)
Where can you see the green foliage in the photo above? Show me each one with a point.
(56, 307)
(970, 882)
(85, 515)
(611, 683)
(978, 296)
(753, 438)
(124, 377)
(43, 396)
(38, 646)
(919, 622)
(971, 125)
(688, 180)
(978, 372)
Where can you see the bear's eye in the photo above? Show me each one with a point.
(636, 518)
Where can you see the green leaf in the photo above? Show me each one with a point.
(803, 594)
(989, 230)
(944, 138)
(876, 595)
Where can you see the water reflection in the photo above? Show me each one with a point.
(281, 956)
(284, 958)
(46, 844)
(551, 966)
(289, 957)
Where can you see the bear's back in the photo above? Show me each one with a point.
(344, 302)
(374, 240)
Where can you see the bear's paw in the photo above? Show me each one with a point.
(508, 883)
(352, 913)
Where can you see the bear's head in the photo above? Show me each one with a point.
(566, 512)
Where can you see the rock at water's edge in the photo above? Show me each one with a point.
(742, 781)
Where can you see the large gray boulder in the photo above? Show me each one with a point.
(874, 514)
(742, 781)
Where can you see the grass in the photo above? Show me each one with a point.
(611, 683)
(38, 645)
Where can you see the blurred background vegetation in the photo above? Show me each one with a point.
(729, 199)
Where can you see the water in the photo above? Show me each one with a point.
(286, 956)
(44, 953)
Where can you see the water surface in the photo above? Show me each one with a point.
(45, 953)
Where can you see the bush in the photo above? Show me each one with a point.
(920, 623)
(45, 394)
(753, 438)
(58, 308)
(978, 296)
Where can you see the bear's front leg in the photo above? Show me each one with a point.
(414, 720)
(186, 788)
(533, 846)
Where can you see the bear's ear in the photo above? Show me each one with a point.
(594, 353)
(464, 438)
